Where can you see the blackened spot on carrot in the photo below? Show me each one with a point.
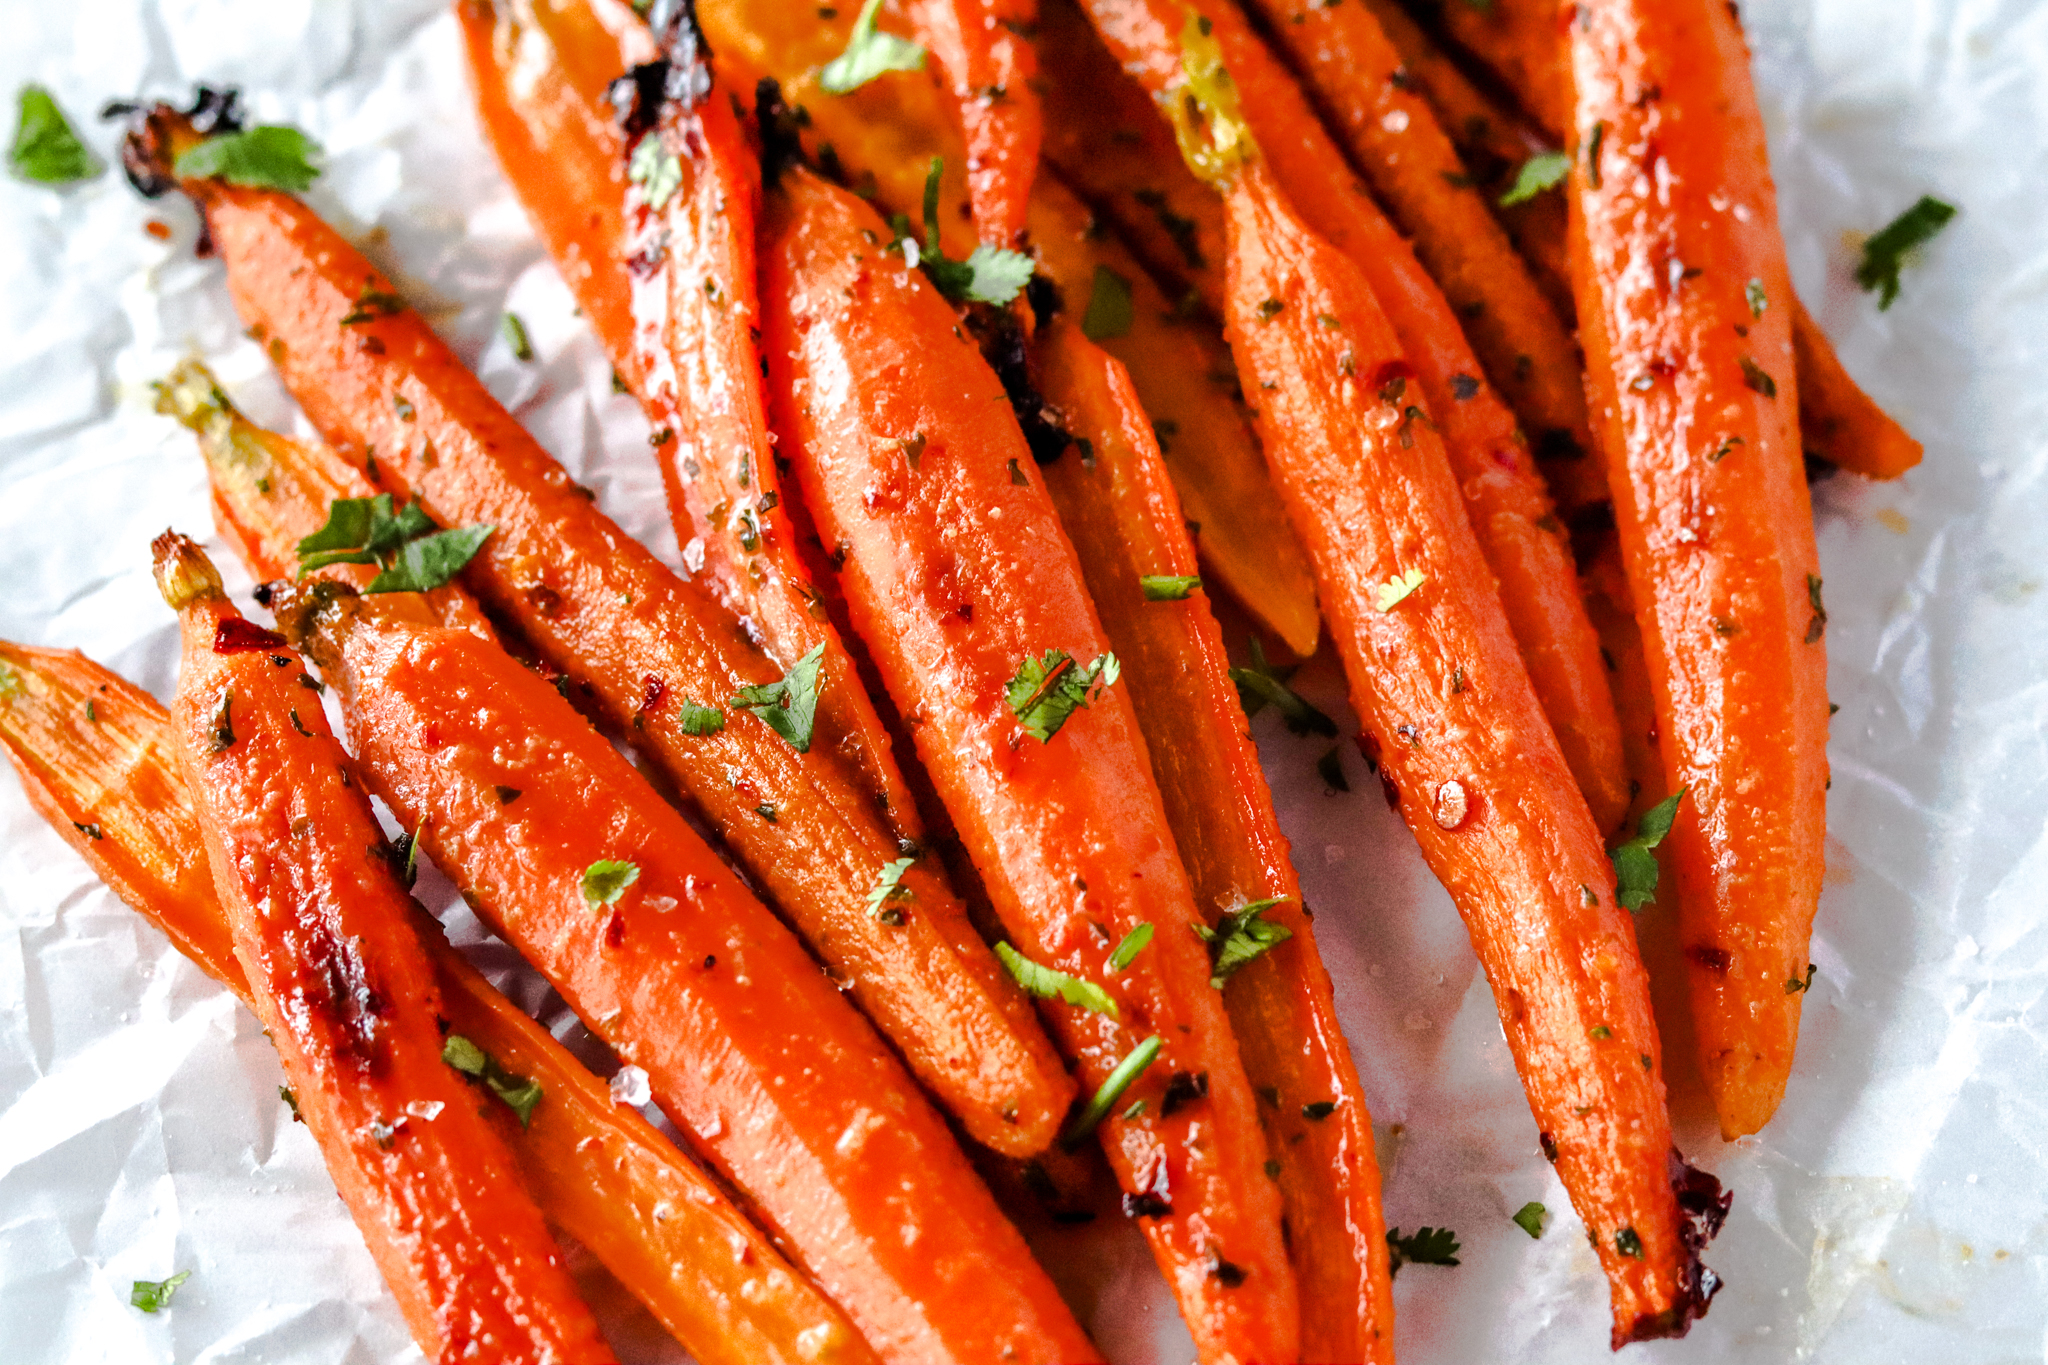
(238, 635)
(1390, 790)
(1714, 959)
(1549, 1145)
(1183, 1088)
(1147, 1205)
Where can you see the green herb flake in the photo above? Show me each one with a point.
(988, 275)
(1110, 310)
(790, 706)
(1049, 983)
(1599, 1033)
(1794, 985)
(1889, 248)
(1628, 1243)
(1425, 1246)
(1127, 951)
(1757, 378)
(698, 719)
(1046, 691)
(272, 157)
(1635, 870)
(1111, 1090)
(520, 1093)
(605, 880)
(1594, 138)
(869, 53)
(1758, 301)
(1531, 1217)
(1241, 936)
(1261, 684)
(1399, 588)
(414, 555)
(291, 1099)
(150, 1295)
(47, 149)
(514, 332)
(1159, 587)
(1817, 624)
(656, 170)
(371, 304)
(888, 890)
(1544, 171)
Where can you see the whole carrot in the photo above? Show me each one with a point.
(967, 595)
(1510, 508)
(1118, 508)
(569, 855)
(662, 263)
(325, 936)
(96, 756)
(1693, 376)
(658, 656)
(990, 67)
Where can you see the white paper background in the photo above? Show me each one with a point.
(1895, 1209)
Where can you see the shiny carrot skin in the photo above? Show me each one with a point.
(890, 129)
(956, 572)
(599, 608)
(1508, 504)
(1838, 421)
(108, 782)
(983, 49)
(1460, 739)
(1118, 508)
(1355, 73)
(327, 941)
(747, 1045)
(670, 292)
(1694, 379)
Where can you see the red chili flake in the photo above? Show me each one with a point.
(615, 930)
(158, 228)
(238, 635)
(654, 690)
(1716, 960)
(1384, 378)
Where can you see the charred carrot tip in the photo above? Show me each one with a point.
(184, 574)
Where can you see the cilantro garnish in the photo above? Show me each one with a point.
(1127, 951)
(655, 169)
(414, 556)
(46, 148)
(150, 1295)
(1794, 985)
(869, 53)
(888, 889)
(1398, 589)
(1545, 170)
(605, 880)
(1111, 1090)
(698, 719)
(1635, 871)
(1531, 1217)
(272, 157)
(988, 275)
(1048, 690)
(373, 303)
(1628, 1243)
(1426, 1246)
(1049, 983)
(1888, 248)
(1110, 311)
(514, 332)
(520, 1093)
(790, 706)
(1261, 683)
(1163, 587)
(1240, 937)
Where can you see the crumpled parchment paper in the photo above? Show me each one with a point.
(1896, 1210)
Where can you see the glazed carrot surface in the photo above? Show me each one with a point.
(960, 581)
(1694, 377)
(1118, 508)
(984, 51)
(108, 781)
(1838, 421)
(570, 856)
(648, 648)
(326, 939)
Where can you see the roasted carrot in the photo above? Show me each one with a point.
(889, 131)
(270, 492)
(1118, 508)
(985, 54)
(96, 757)
(669, 287)
(1509, 507)
(326, 939)
(1838, 421)
(1519, 41)
(569, 855)
(1693, 374)
(968, 597)
(650, 649)
(1355, 74)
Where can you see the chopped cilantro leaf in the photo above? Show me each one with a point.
(1794, 985)
(988, 275)
(1049, 983)
(1160, 587)
(430, 561)
(869, 53)
(1110, 311)
(1240, 937)
(1398, 589)
(46, 148)
(1111, 1090)
(150, 1295)
(790, 706)
(1127, 951)
(655, 169)
(272, 157)
(1888, 249)
(698, 719)
(1531, 1217)
(1261, 683)
(415, 556)
(1426, 1246)
(888, 889)
(1048, 690)
(520, 1093)
(1545, 170)
(1635, 871)
(605, 880)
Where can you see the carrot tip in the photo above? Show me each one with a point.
(184, 574)
(1703, 1205)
